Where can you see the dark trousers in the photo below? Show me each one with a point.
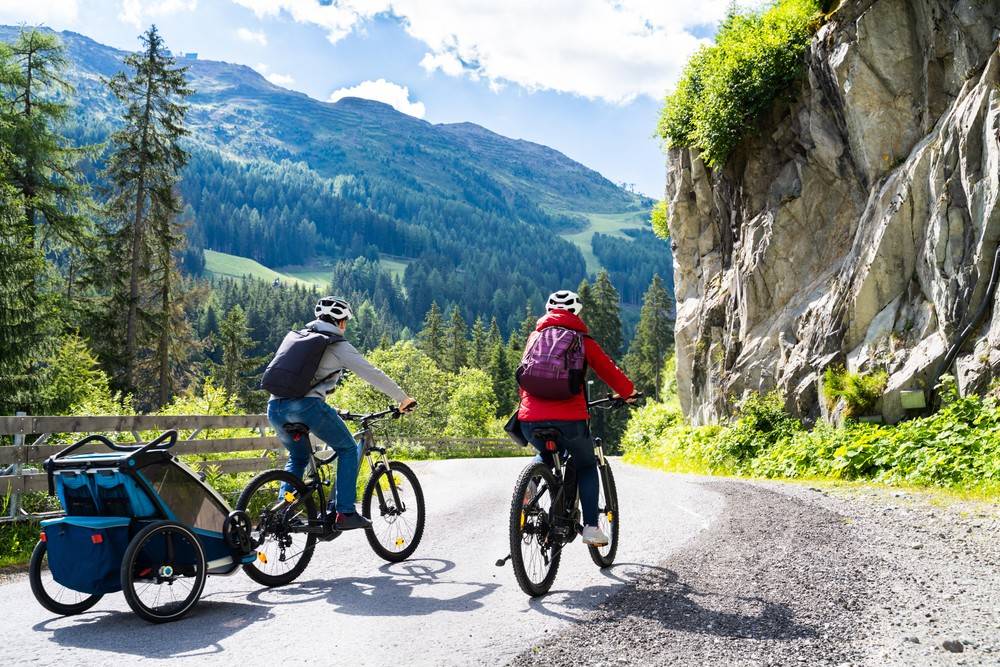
(574, 437)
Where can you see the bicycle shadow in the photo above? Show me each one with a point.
(119, 632)
(412, 588)
(659, 595)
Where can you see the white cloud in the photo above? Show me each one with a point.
(609, 49)
(381, 90)
(283, 80)
(52, 13)
(137, 12)
(252, 36)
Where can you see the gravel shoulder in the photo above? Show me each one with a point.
(788, 574)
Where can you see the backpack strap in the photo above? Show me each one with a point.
(332, 338)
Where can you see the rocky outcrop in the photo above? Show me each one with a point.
(858, 227)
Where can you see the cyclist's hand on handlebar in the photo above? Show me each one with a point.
(407, 405)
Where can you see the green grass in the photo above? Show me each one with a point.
(395, 266)
(234, 266)
(314, 275)
(310, 275)
(611, 224)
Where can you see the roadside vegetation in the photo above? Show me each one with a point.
(957, 448)
(727, 86)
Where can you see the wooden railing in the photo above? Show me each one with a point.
(21, 463)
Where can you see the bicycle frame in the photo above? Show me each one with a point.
(375, 455)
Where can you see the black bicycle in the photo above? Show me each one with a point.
(285, 524)
(545, 512)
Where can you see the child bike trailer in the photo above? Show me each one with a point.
(136, 520)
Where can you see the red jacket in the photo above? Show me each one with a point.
(535, 409)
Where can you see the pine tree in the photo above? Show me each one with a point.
(494, 336)
(44, 170)
(602, 312)
(141, 173)
(653, 340)
(519, 338)
(20, 319)
(501, 373)
(478, 345)
(431, 337)
(456, 352)
(237, 363)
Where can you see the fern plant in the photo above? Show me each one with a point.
(859, 391)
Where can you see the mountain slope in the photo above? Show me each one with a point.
(284, 179)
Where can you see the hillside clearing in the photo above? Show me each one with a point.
(234, 266)
(605, 223)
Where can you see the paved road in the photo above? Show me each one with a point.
(449, 605)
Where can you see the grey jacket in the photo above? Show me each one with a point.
(343, 355)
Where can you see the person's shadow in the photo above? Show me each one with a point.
(411, 588)
(658, 595)
(198, 634)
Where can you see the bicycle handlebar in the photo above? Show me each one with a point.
(611, 401)
(392, 412)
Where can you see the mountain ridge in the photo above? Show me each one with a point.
(284, 179)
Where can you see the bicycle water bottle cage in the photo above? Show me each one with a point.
(549, 436)
(296, 430)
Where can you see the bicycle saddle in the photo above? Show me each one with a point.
(296, 430)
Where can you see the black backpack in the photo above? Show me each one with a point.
(290, 373)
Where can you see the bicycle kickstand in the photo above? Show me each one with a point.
(503, 561)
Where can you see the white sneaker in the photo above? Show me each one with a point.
(594, 537)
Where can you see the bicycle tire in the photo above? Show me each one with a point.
(524, 580)
(610, 494)
(251, 569)
(366, 510)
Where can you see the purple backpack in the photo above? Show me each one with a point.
(554, 364)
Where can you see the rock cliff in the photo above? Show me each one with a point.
(859, 226)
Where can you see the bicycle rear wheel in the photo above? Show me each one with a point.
(533, 551)
(396, 528)
(607, 518)
(277, 523)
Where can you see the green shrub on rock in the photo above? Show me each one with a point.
(726, 87)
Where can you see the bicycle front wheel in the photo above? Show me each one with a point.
(395, 507)
(534, 551)
(607, 518)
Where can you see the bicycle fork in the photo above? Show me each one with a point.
(376, 464)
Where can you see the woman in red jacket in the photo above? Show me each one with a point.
(570, 416)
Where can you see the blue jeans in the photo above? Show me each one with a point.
(575, 439)
(324, 423)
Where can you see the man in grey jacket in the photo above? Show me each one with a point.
(332, 315)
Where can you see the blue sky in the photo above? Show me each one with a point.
(583, 76)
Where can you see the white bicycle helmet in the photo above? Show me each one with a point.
(337, 308)
(564, 300)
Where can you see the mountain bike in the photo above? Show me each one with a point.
(545, 512)
(288, 515)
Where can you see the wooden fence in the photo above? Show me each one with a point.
(21, 464)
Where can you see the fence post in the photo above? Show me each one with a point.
(14, 507)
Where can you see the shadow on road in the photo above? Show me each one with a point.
(199, 634)
(657, 594)
(411, 588)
